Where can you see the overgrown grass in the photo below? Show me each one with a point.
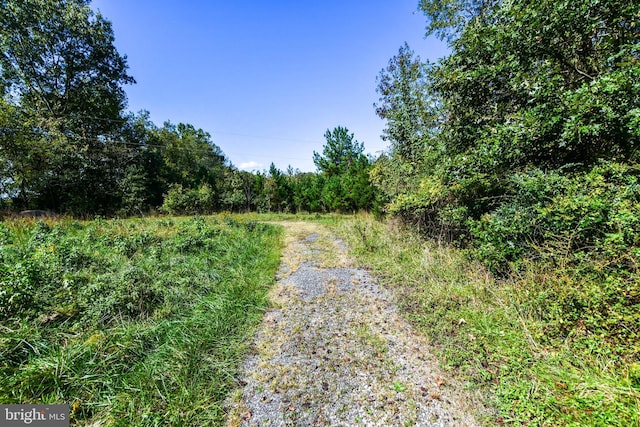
(502, 338)
(131, 322)
(274, 216)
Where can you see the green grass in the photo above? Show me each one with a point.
(275, 217)
(498, 337)
(131, 322)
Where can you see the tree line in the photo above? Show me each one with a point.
(526, 133)
(67, 144)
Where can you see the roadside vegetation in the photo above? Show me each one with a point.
(525, 345)
(516, 157)
(131, 322)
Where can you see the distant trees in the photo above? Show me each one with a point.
(341, 183)
(67, 144)
(345, 170)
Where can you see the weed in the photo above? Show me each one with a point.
(399, 387)
(136, 322)
(539, 348)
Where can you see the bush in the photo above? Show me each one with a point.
(571, 244)
(591, 214)
(179, 201)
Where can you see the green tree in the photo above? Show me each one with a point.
(406, 105)
(411, 112)
(251, 188)
(189, 158)
(60, 66)
(345, 170)
(63, 77)
(20, 159)
(307, 189)
(143, 185)
(278, 190)
(200, 200)
(340, 153)
(233, 196)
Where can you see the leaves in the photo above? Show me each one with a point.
(60, 65)
(346, 172)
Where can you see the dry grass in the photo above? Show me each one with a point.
(487, 334)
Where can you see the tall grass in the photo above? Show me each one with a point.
(497, 336)
(131, 322)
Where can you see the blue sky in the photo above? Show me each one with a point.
(265, 78)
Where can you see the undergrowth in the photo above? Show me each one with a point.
(516, 343)
(131, 322)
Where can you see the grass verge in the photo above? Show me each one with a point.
(131, 322)
(494, 336)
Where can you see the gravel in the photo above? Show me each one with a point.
(333, 351)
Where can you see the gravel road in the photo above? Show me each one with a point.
(333, 351)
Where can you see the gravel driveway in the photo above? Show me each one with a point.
(333, 351)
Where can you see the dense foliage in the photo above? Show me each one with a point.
(526, 134)
(548, 87)
(521, 146)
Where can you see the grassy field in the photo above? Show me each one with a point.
(494, 335)
(131, 322)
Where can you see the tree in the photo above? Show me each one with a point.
(448, 18)
(20, 160)
(340, 153)
(307, 190)
(59, 65)
(233, 196)
(63, 77)
(250, 185)
(278, 190)
(143, 185)
(412, 118)
(190, 157)
(343, 165)
(405, 103)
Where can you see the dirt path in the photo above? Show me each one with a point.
(332, 350)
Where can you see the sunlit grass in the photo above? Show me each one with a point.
(132, 322)
(490, 334)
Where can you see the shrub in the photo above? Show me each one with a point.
(189, 201)
(571, 242)
(593, 213)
